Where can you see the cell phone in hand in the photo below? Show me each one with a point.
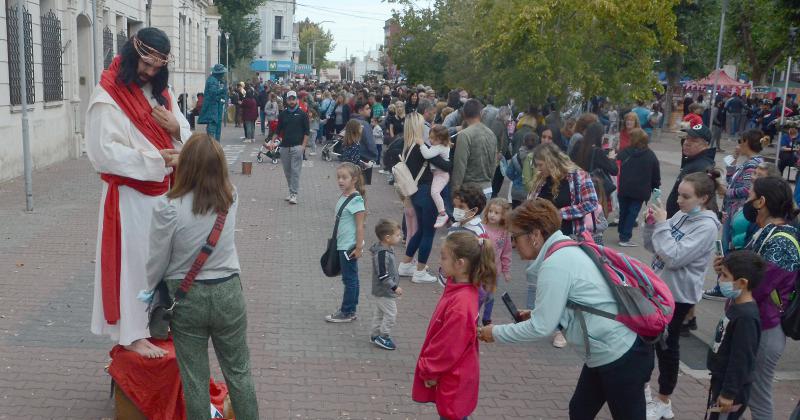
(655, 197)
(512, 308)
(718, 248)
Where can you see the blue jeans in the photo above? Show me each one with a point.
(380, 149)
(628, 210)
(263, 117)
(425, 210)
(727, 234)
(488, 305)
(350, 280)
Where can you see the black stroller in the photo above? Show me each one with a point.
(271, 149)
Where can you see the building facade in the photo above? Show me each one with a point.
(279, 44)
(68, 43)
(390, 30)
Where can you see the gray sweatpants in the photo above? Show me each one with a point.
(292, 161)
(384, 317)
(770, 349)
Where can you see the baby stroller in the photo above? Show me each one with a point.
(270, 149)
(332, 148)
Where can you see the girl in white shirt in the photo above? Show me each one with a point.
(440, 146)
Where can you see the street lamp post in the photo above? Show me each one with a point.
(228, 72)
(719, 54)
(182, 34)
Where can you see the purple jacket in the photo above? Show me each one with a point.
(783, 261)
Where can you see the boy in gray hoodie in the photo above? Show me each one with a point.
(385, 282)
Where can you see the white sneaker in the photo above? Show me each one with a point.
(293, 199)
(288, 197)
(441, 220)
(559, 341)
(423, 276)
(657, 410)
(406, 269)
(627, 244)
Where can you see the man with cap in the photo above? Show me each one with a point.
(133, 130)
(214, 102)
(293, 127)
(698, 156)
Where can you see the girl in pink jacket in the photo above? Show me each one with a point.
(495, 218)
(448, 370)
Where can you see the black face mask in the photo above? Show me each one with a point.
(750, 212)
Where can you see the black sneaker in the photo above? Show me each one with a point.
(340, 317)
(714, 294)
(688, 327)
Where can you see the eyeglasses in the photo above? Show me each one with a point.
(514, 236)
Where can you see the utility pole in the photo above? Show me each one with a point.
(719, 52)
(182, 34)
(23, 95)
(228, 72)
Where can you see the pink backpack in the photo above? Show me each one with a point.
(645, 302)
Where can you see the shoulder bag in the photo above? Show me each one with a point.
(608, 184)
(330, 258)
(161, 308)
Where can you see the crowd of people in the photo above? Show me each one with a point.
(449, 159)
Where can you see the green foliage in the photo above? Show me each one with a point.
(531, 50)
(760, 33)
(310, 31)
(244, 29)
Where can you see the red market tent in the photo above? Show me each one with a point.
(724, 82)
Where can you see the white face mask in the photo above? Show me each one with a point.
(459, 214)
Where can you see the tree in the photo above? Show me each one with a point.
(760, 30)
(412, 45)
(236, 18)
(309, 32)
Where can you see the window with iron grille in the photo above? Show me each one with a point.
(108, 47)
(13, 55)
(122, 38)
(52, 71)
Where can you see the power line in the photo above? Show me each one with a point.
(326, 10)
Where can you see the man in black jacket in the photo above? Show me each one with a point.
(294, 127)
(698, 156)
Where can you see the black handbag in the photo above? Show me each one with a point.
(790, 318)
(162, 307)
(608, 184)
(330, 258)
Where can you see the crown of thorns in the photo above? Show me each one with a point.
(149, 54)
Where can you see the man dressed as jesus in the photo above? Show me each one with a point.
(134, 129)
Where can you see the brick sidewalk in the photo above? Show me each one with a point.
(52, 366)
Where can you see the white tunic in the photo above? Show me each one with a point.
(114, 145)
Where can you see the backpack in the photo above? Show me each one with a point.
(790, 310)
(645, 303)
(405, 183)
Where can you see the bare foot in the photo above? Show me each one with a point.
(145, 349)
(159, 351)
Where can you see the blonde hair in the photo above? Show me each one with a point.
(479, 255)
(505, 210)
(352, 132)
(413, 132)
(556, 164)
(355, 173)
(638, 137)
(400, 109)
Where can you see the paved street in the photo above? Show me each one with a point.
(51, 366)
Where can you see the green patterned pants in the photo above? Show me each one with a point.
(215, 311)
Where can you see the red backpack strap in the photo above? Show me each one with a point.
(205, 252)
(559, 245)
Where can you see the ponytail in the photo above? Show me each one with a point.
(479, 254)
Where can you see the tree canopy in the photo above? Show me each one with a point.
(310, 31)
(236, 18)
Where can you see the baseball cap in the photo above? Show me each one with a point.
(700, 131)
(291, 93)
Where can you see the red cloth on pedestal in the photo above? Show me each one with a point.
(154, 385)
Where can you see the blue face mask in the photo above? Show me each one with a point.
(727, 290)
(695, 211)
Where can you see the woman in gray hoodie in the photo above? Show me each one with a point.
(683, 247)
